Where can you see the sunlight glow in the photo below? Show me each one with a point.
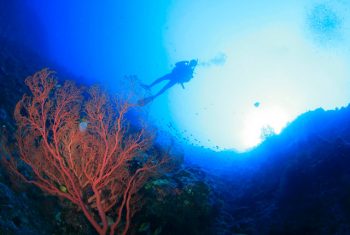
(260, 120)
(272, 60)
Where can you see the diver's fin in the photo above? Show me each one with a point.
(145, 101)
(146, 87)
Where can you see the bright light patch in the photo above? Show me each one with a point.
(255, 73)
(261, 122)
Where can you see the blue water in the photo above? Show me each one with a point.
(294, 166)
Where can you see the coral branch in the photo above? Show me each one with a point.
(92, 167)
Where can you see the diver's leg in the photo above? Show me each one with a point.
(149, 99)
(165, 77)
(166, 87)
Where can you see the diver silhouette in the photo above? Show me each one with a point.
(183, 72)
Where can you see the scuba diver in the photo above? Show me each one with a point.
(183, 72)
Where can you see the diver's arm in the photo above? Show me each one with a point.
(181, 63)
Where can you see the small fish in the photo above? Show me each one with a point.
(63, 189)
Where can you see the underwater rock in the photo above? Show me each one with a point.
(17, 217)
(3, 115)
(294, 183)
(178, 203)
